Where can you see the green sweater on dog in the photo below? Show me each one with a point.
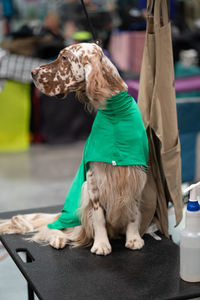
(118, 137)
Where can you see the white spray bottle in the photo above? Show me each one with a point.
(190, 238)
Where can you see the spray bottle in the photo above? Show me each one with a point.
(190, 238)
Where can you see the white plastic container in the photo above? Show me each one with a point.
(190, 239)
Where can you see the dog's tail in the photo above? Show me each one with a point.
(36, 223)
(26, 223)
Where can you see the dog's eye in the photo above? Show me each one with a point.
(64, 57)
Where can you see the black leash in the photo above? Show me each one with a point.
(98, 42)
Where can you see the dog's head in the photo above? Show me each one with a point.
(83, 68)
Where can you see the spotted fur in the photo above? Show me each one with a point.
(82, 68)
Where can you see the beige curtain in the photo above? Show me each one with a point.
(157, 103)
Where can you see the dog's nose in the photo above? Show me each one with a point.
(34, 72)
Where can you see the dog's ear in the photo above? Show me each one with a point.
(97, 87)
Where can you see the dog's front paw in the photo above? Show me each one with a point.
(101, 248)
(57, 242)
(135, 243)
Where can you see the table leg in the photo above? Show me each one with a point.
(30, 293)
(30, 290)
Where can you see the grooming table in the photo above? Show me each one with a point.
(77, 274)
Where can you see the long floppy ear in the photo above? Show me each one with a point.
(97, 87)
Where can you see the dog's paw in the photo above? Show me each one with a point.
(135, 243)
(57, 242)
(101, 248)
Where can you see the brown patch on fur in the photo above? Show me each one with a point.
(96, 201)
(69, 55)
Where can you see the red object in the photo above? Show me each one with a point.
(6, 27)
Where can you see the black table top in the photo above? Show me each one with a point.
(77, 274)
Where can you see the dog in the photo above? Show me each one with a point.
(111, 195)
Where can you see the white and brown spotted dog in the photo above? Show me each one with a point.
(110, 202)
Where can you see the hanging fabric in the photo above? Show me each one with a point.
(157, 104)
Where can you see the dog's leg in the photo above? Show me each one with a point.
(54, 237)
(133, 239)
(101, 244)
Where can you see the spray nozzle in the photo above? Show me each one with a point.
(193, 204)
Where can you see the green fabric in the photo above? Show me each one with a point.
(117, 137)
(15, 116)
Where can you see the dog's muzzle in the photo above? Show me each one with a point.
(34, 73)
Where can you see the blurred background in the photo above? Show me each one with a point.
(42, 138)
